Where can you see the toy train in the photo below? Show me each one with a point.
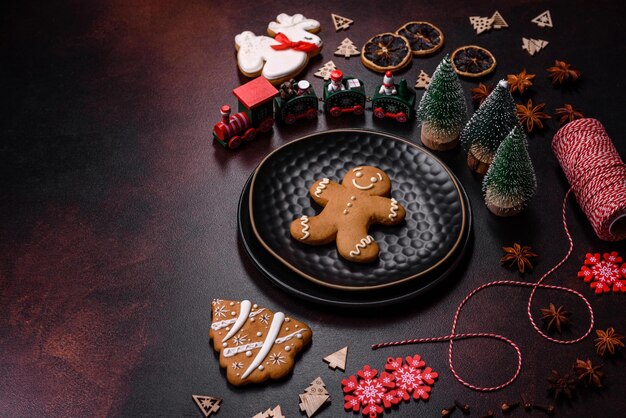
(260, 103)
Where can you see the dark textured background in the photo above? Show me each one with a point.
(119, 214)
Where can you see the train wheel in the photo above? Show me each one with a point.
(358, 110)
(290, 118)
(335, 111)
(266, 125)
(379, 113)
(311, 113)
(401, 117)
(234, 142)
(250, 135)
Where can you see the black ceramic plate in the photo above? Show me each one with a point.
(293, 283)
(433, 229)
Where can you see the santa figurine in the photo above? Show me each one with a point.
(388, 87)
(336, 78)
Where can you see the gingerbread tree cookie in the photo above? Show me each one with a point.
(349, 209)
(255, 344)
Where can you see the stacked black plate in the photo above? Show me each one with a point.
(414, 255)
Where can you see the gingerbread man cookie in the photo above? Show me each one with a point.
(283, 55)
(349, 210)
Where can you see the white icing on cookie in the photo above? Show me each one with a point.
(321, 186)
(245, 308)
(270, 340)
(215, 326)
(256, 55)
(362, 244)
(304, 221)
(394, 209)
(231, 351)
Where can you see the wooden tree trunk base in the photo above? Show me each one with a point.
(436, 141)
(504, 212)
(477, 165)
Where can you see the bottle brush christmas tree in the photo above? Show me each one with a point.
(486, 129)
(510, 181)
(442, 110)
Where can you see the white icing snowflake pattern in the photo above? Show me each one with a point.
(237, 365)
(277, 358)
(240, 339)
(220, 311)
(217, 301)
(265, 318)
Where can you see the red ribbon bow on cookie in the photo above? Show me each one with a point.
(285, 43)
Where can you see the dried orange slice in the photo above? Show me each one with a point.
(386, 52)
(424, 37)
(473, 61)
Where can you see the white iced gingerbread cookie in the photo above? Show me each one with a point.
(283, 55)
(255, 344)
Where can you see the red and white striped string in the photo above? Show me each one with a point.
(537, 285)
(597, 176)
(596, 173)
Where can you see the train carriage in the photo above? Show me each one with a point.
(291, 109)
(255, 114)
(399, 106)
(349, 100)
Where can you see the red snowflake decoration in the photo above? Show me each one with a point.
(368, 392)
(411, 377)
(604, 274)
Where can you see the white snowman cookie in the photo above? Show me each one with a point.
(283, 55)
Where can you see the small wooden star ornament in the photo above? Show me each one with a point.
(520, 82)
(608, 341)
(555, 317)
(518, 255)
(532, 116)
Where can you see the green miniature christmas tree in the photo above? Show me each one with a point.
(510, 181)
(442, 110)
(486, 129)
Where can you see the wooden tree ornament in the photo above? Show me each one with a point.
(422, 81)
(341, 22)
(207, 404)
(481, 24)
(325, 71)
(533, 45)
(337, 360)
(271, 413)
(347, 49)
(314, 397)
(544, 20)
(498, 21)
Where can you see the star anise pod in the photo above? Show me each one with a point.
(555, 317)
(518, 255)
(567, 113)
(531, 116)
(608, 340)
(480, 93)
(562, 72)
(520, 82)
(588, 373)
(561, 386)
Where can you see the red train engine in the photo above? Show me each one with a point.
(256, 114)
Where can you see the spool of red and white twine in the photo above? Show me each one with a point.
(597, 176)
(596, 173)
